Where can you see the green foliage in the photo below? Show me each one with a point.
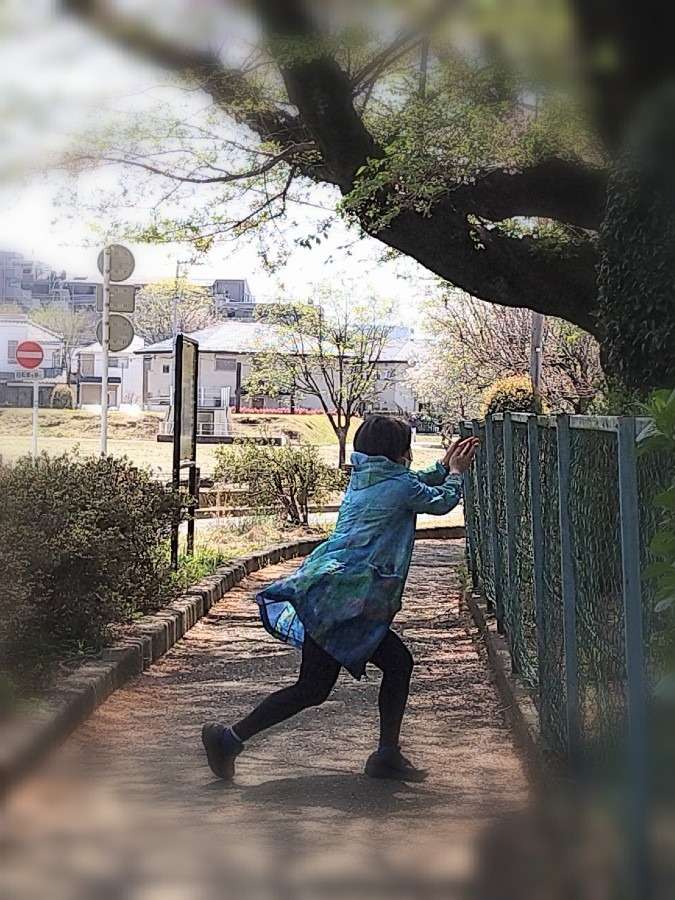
(512, 394)
(192, 569)
(328, 348)
(83, 546)
(75, 327)
(62, 397)
(288, 478)
(616, 400)
(659, 437)
(637, 271)
(153, 319)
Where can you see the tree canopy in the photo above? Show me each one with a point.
(458, 135)
(329, 349)
(153, 319)
(473, 344)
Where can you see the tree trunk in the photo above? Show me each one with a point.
(341, 431)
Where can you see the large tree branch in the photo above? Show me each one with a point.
(230, 89)
(500, 269)
(485, 263)
(322, 92)
(552, 189)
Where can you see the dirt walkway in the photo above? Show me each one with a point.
(129, 808)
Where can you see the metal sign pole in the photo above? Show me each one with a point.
(177, 423)
(36, 407)
(105, 344)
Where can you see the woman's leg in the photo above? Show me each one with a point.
(396, 663)
(318, 674)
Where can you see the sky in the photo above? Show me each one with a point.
(54, 77)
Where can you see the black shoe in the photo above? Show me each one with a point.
(393, 764)
(219, 758)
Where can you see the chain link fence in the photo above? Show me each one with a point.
(555, 575)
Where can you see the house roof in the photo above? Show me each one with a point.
(226, 337)
(249, 337)
(33, 332)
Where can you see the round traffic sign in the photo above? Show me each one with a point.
(122, 262)
(29, 355)
(121, 333)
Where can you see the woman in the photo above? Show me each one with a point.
(339, 606)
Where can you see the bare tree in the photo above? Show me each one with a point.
(75, 327)
(330, 351)
(476, 343)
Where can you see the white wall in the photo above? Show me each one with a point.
(25, 331)
(130, 390)
(159, 379)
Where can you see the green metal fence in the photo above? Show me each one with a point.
(559, 522)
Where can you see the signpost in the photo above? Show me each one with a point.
(120, 333)
(186, 378)
(115, 263)
(29, 355)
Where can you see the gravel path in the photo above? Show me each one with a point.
(128, 808)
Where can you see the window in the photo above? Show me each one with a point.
(11, 351)
(56, 359)
(87, 364)
(205, 423)
(118, 362)
(223, 364)
(166, 368)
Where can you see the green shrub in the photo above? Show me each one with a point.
(62, 397)
(636, 275)
(192, 569)
(288, 478)
(616, 400)
(512, 394)
(82, 546)
(658, 438)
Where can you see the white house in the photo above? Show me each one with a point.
(125, 376)
(15, 384)
(226, 352)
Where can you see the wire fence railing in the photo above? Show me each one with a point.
(559, 521)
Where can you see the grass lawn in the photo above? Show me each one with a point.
(309, 429)
(64, 431)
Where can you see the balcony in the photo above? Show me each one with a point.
(204, 429)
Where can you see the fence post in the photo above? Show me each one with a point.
(569, 599)
(513, 605)
(494, 528)
(537, 546)
(469, 515)
(635, 660)
(482, 505)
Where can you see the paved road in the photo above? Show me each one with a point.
(129, 809)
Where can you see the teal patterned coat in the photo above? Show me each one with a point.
(348, 591)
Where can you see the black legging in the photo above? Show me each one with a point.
(318, 674)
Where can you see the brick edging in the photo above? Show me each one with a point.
(542, 765)
(69, 705)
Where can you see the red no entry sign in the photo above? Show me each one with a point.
(29, 355)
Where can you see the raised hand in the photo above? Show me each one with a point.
(460, 456)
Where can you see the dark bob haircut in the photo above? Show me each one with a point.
(383, 436)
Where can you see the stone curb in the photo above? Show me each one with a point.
(542, 765)
(69, 705)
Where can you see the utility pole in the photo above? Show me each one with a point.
(174, 329)
(537, 350)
